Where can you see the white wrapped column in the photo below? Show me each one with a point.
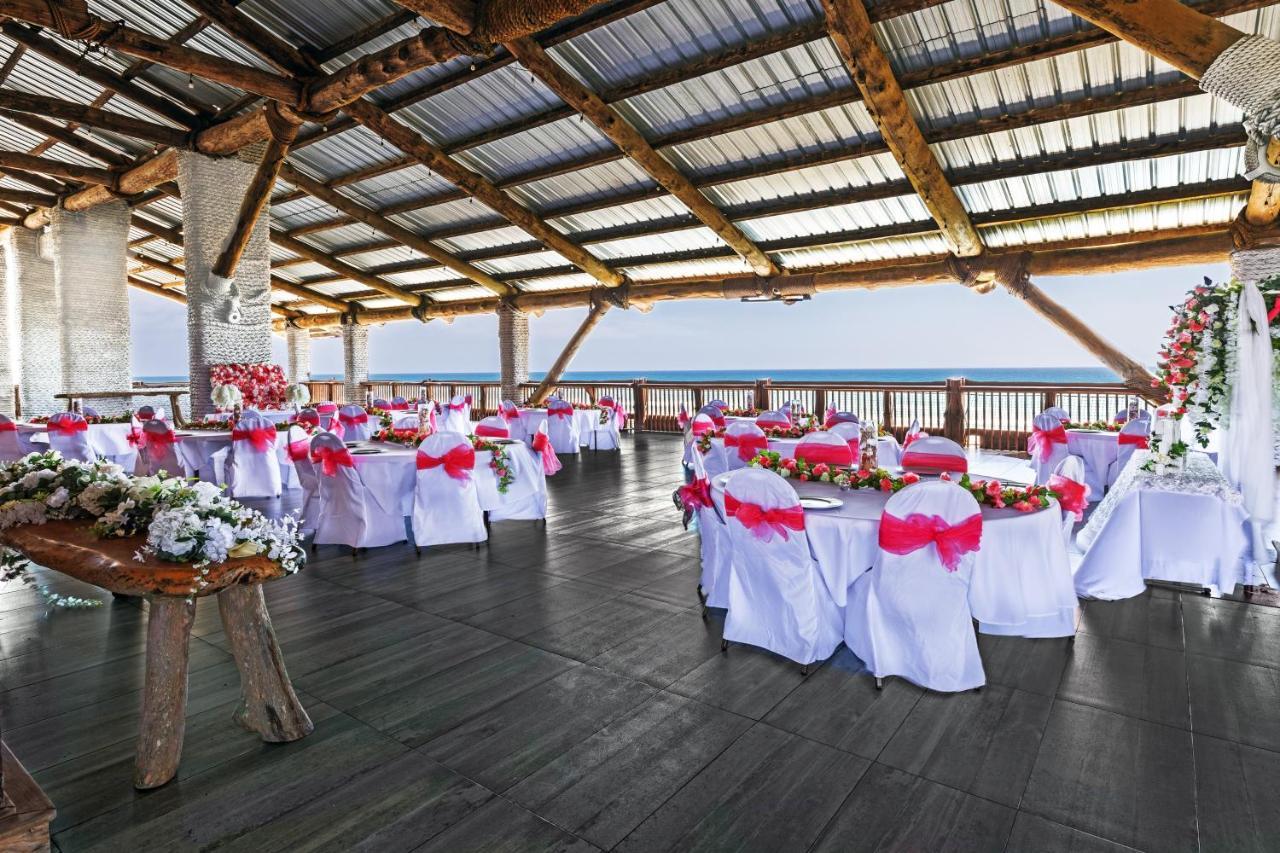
(9, 354)
(299, 345)
(89, 253)
(212, 190)
(37, 321)
(355, 361)
(513, 348)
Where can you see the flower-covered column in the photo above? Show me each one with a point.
(37, 319)
(299, 343)
(89, 249)
(355, 360)
(513, 350)
(228, 322)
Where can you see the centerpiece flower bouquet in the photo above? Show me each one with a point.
(297, 394)
(226, 397)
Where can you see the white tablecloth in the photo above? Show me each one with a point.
(276, 416)
(1187, 528)
(585, 420)
(199, 450)
(888, 454)
(1021, 582)
(391, 474)
(109, 440)
(1098, 449)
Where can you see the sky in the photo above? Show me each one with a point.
(935, 326)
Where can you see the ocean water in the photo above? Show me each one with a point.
(1059, 375)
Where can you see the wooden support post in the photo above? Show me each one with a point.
(954, 418)
(640, 393)
(548, 384)
(886, 404)
(164, 696)
(761, 395)
(268, 704)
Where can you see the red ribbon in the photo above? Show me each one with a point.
(696, 494)
(137, 438)
(455, 407)
(487, 431)
(911, 438)
(510, 415)
(299, 449)
(8, 426)
(1041, 441)
(327, 408)
(457, 463)
(829, 417)
(67, 426)
(935, 461)
(351, 420)
(1138, 440)
(953, 541)
(330, 458)
(718, 420)
(261, 437)
(166, 437)
(397, 407)
(1073, 497)
(769, 423)
(703, 427)
(541, 444)
(832, 454)
(560, 413)
(312, 418)
(764, 522)
(749, 446)
(467, 399)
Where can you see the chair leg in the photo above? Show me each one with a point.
(804, 671)
(724, 645)
(355, 554)
(879, 683)
(702, 597)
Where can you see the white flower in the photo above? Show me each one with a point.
(59, 498)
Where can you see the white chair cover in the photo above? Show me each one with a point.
(1047, 445)
(913, 434)
(715, 413)
(457, 415)
(851, 432)
(1062, 415)
(310, 417)
(526, 495)
(1070, 470)
(773, 420)
(934, 453)
(159, 451)
(445, 506)
(356, 424)
(1134, 435)
(253, 468)
(719, 404)
(493, 426)
(510, 413)
(540, 444)
(819, 447)
(714, 543)
(777, 599)
(69, 435)
(562, 426)
(606, 426)
(743, 441)
(909, 616)
(299, 450)
(11, 447)
(349, 514)
(381, 403)
(399, 404)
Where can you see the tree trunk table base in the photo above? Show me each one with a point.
(25, 812)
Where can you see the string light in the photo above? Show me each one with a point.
(191, 82)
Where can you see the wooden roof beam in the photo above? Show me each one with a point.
(258, 194)
(632, 143)
(851, 30)
(58, 168)
(457, 15)
(124, 125)
(66, 134)
(345, 270)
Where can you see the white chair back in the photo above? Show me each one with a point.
(777, 598)
(1047, 445)
(11, 446)
(526, 495)
(715, 413)
(913, 434)
(69, 435)
(776, 419)
(719, 404)
(493, 426)
(714, 543)
(356, 424)
(562, 426)
(851, 433)
(406, 421)
(299, 450)
(909, 616)
(606, 425)
(445, 506)
(1058, 412)
(310, 417)
(819, 447)
(1134, 435)
(510, 413)
(1067, 480)
(398, 404)
(254, 467)
(743, 441)
(457, 415)
(342, 516)
(158, 446)
(933, 454)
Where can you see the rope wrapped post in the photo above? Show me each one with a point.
(1244, 75)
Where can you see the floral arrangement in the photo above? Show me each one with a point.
(183, 521)
(1102, 426)
(406, 437)
(989, 492)
(262, 385)
(93, 419)
(796, 430)
(500, 464)
(740, 413)
(226, 397)
(297, 394)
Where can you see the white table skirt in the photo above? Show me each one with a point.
(1098, 450)
(107, 440)
(585, 420)
(1144, 532)
(390, 476)
(1021, 581)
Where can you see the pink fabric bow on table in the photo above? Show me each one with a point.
(1073, 497)
(1138, 440)
(329, 458)
(749, 446)
(763, 523)
(458, 462)
(67, 426)
(1041, 441)
(262, 438)
(935, 462)
(904, 535)
(541, 445)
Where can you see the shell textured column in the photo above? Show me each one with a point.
(299, 344)
(38, 320)
(355, 361)
(513, 349)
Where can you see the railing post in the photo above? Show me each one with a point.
(1050, 400)
(640, 394)
(954, 419)
(698, 399)
(820, 402)
(762, 395)
(887, 406)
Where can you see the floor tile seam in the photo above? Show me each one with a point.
(1191, 731)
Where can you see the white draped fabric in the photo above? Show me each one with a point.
(457, 416)
(1136, 429)
(563, 427)
(253, 471)
(72, 445)
(1046, 454)
(356, 423)
(11, 445)
(531, 419)
(160, 450)
(1187, 527)
(275, 416)
(714, 541)
(446, 509)
(349, 514)
(1247, 442)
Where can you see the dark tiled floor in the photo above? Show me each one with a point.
(558, 690)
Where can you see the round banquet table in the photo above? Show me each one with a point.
(1098, 449)
(199, 449)
(584, 419)
(109, 440)
(888, 454)
(276, 416)
(1021, 583)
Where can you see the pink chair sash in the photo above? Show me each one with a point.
(455, 407)
(1141, 442)
(703, 428)
(1073, 497)
(299, 449)
(829, 417)
(262, 438)
(696, 494)
(8, 426)
(457, 463)
(397, 407)
(935, 461)
(486, 431)
(749, 446)
(1041, 441)
(911, 438)
(352, 420)
(541, 445)
(509, 415)
(149, 438)
(312, 418)
(330, 458)
(467, 399)
(560, 413)
(832, 454)
(67, 426)
(327, 408)
(766, 423)
(905, 535)
(682, 418)
(763, 523)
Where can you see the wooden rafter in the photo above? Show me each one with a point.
(851, 30)
(457, 15)
(124, 125)
(258, 194)
(55, 133)
(57, 168)
(344, 270)
(632, 143)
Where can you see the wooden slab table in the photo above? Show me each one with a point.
(268, 703)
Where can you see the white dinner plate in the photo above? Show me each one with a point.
(367, 451)
(821, 503)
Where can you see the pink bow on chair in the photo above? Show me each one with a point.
(486, 431)
(8, 426)
(832, 454)
(829, 417)
(67, 426)
(455, 407)
(1073, 497)
(457, 463)
(1139, 441)
(541, 445)
(137, 438)
(261, 438)
(749, 446)
(299, 449)
(352, 420)
(763, 523)
(329, 458)
(1041, 441)
(905, 535)
(935, 462)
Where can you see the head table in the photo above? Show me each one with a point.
(1021, 580)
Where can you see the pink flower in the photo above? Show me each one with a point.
(886, 484)
(1022, 506)
(820, 469)
(910, 478)
(993, 488)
